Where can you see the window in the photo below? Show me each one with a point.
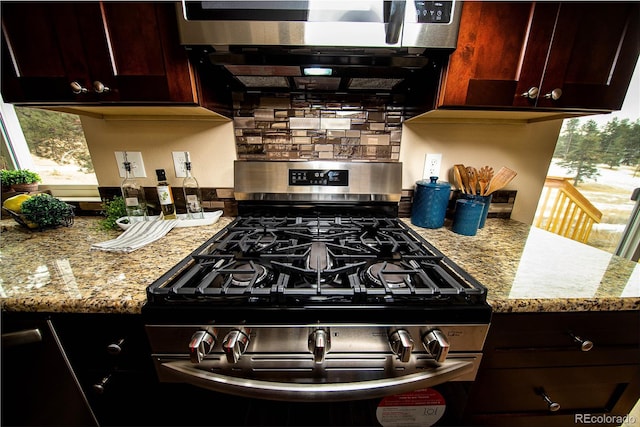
(600, 156)
(51, 143)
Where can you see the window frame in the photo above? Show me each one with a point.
(20, 158)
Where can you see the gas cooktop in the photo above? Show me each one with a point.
(316, 261)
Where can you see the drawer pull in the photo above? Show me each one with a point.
(532, 93)
(585, 345)
(115, 348)
(553, 406)
(27, 336)
(98, 387)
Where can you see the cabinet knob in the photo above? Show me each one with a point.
(554, 94)
(98, 387)
(553, 406)
(116, 347)
(531, 93)
(99, 87)
(585, 345)
(77, 88)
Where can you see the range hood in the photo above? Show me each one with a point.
(360, 45)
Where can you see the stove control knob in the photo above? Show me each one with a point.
(201, 344)
(319, 344)
(436, 344)
(234, 344)
(401, 344)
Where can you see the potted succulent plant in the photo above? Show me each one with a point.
(20, 180)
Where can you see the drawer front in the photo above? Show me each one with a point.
(579, 389)
(553, 339)
(101, 342)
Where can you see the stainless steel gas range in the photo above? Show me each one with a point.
(316, 292)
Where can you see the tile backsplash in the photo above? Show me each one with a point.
(305, 126)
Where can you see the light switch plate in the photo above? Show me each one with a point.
(137, 165)
(179, 158)
(432, 165)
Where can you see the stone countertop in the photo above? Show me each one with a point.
(524, 269)
(56, 271)
(527, 269)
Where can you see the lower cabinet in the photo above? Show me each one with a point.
(39, 388)
(89, 369)
(110, 355)
(558, 369)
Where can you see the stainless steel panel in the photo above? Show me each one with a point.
(269, 180)
(335, 367)
(174, 339)
(347, 27)
(415, 34)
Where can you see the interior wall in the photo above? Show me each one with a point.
(525, 148)
(210, 144)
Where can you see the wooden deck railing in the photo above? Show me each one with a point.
(565, 211)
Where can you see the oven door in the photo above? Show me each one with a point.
(187, 405)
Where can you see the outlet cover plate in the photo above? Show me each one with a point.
(432, 164)
(179, 158)
(137, 165)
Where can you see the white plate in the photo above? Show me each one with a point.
(183, 221)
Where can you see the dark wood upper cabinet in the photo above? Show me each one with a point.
(98, 52)
(517, 54)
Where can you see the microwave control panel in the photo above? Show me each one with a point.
(433, 12)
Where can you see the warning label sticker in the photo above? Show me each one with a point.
(420, 408)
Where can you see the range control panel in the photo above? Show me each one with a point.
(333, 177)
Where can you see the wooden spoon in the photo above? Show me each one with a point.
(484, 177)
(500, 180)
(458, 179)
(463, 176)
(473, 179)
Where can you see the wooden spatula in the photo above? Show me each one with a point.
(484, 177)
(500, 180)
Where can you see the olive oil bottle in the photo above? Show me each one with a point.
(133, 194)
(165, 196)
(192, 193)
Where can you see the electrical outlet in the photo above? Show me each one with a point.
(137, 165)
(179, 158)
(432, 165)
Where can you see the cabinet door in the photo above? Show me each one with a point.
(485, 67)
(115, 52)
(593, 54)
(594, 389)
(39, 387)
(147, 62)
(112, 360)
(43, 53)
(507, 51)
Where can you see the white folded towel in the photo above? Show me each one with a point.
(136, 236)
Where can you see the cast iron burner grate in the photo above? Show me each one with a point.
(293, 261)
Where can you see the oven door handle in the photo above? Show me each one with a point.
(325, 392)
